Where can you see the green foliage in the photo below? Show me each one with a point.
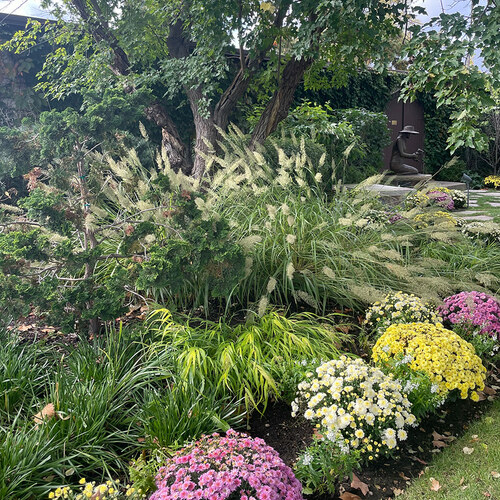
(365, 89)
(96, 391)
(184, 412)
(113, 398)
(373, 132)
(24, 374)
(353, 140)
(321, 465)
(244, 362)
(441, 63)
(17, 145)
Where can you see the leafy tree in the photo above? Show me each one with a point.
(455, 56)
(209, 52)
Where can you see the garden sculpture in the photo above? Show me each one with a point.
(399, 153)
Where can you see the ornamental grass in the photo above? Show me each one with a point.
(449, 361)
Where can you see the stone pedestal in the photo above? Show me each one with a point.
(391, 195)
(459, 186)
(407, 180)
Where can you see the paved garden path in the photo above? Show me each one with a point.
(474, 212)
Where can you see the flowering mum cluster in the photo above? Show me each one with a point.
(459, 197)
(488, 231)
(399, 308)
(492, 181)
(450, 199)
(474, 311)
(435, 218)
(448, 360)
(356, 406)
(108, 490)
(441, 199)
(218, 468)
(417, 199)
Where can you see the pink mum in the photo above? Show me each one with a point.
(231, 467)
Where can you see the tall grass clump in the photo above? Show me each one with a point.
(313, 248)
(245, 362)
(24, 374)
(87, 413)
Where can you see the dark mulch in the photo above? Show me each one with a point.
(386, 478)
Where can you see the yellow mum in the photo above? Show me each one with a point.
(449, 361)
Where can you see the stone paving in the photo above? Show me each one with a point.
(479, 215)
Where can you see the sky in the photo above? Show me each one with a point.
(22, 8)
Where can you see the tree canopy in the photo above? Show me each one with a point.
(207, 53)
(456, 57)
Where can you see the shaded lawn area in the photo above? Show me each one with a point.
(461, 474)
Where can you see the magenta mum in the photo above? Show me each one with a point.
(473, 309)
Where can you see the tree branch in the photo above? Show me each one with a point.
(177, 152)
(248, 67)
(277, 108)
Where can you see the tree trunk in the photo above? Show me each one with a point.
(206, 132)
(277, 108)
(176, 150)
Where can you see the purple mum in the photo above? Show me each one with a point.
(473, 309)
(232, 467)
(442, 199)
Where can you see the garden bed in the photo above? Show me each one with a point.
(386, 478)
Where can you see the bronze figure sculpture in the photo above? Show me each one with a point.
(399, 153)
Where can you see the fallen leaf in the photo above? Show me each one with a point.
(440, 440)
(69, 472)
(49, 479)
(420, 461)
(24, 328)
(489, 390)
(439, 444)
(435, 486)
(401, 474)
(495, 474)
(397, 492)
(467, 450)
(47, 413)
(461, 481)
(421, 473)
(349, 496)
(487, 494)
(357, 484)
